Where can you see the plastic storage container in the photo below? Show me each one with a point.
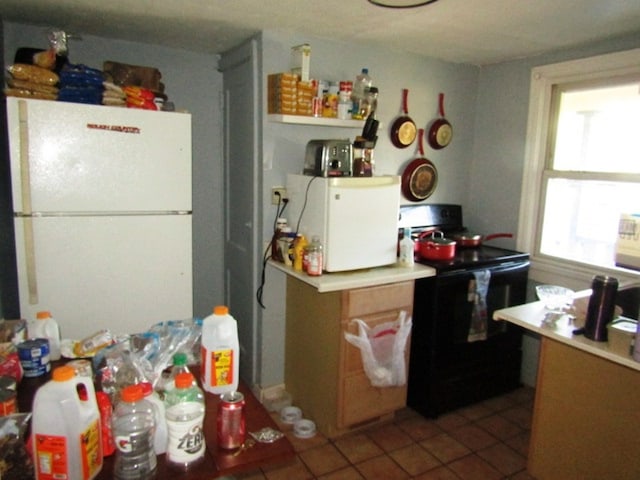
(621, 333)
(220, 352)
(45, 326)
(184, 407)
(160, 435)
(133, 430)
(65, 428)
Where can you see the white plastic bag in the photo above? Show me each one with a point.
(382, 349)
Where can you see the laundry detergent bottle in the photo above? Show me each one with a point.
(220, 352)
(65, 429)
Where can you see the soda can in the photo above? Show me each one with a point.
(231, 422)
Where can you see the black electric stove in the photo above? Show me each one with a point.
(447, 218)
(449, 367)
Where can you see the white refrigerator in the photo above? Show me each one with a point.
(355, 218)
(102, 214)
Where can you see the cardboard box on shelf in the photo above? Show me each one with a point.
(282, 89)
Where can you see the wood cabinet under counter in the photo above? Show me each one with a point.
(323, 372)
(587, 405)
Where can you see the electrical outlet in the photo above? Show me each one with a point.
(277, 195)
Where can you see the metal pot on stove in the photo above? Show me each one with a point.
(436, 246)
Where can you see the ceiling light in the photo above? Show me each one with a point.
(401, 3)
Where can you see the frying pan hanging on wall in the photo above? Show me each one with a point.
(440, 132)
(403, 130)
(420, 177)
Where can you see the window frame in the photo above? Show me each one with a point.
(544, 268)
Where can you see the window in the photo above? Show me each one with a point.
(582, 169)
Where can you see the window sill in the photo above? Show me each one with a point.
(575, 275)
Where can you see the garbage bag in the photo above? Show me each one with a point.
(383, 350)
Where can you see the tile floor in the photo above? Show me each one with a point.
(486, 441)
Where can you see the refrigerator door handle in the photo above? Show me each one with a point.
(25, 183)
(30, 260)
(25, 175)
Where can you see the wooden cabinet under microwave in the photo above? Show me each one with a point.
(323, 372)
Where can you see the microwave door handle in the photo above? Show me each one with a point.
(25, 193)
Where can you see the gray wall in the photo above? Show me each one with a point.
(193, 83)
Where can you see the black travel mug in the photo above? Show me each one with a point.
(601, 307)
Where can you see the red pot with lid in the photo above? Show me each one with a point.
(436, 247)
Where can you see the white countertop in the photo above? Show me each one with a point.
(532, 317)
(331, 282)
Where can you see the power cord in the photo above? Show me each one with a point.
(304, 205)
(282, 205)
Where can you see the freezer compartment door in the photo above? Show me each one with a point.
(123, 273)
(68, 157)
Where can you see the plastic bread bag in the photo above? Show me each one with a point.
(383, 350)
(142, 357)
(175, 336)
(15, 461)
(126, 362)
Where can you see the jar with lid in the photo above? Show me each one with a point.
(363, 164)
(314, 258)
(276, 253)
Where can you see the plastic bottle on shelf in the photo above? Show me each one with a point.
(184, 410)
(45, 326)
(370, 103)
(360, 87)
(66, 426)
(160, 434)
(220, 352)
(133, 429)
(406, 257)
(314, 260)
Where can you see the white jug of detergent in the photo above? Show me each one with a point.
(45, 326)
(65, 428)
(220, 352)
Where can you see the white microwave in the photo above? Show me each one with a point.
(628, 243)
(356, 218)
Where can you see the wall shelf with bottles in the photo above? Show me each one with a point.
(318, 121)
